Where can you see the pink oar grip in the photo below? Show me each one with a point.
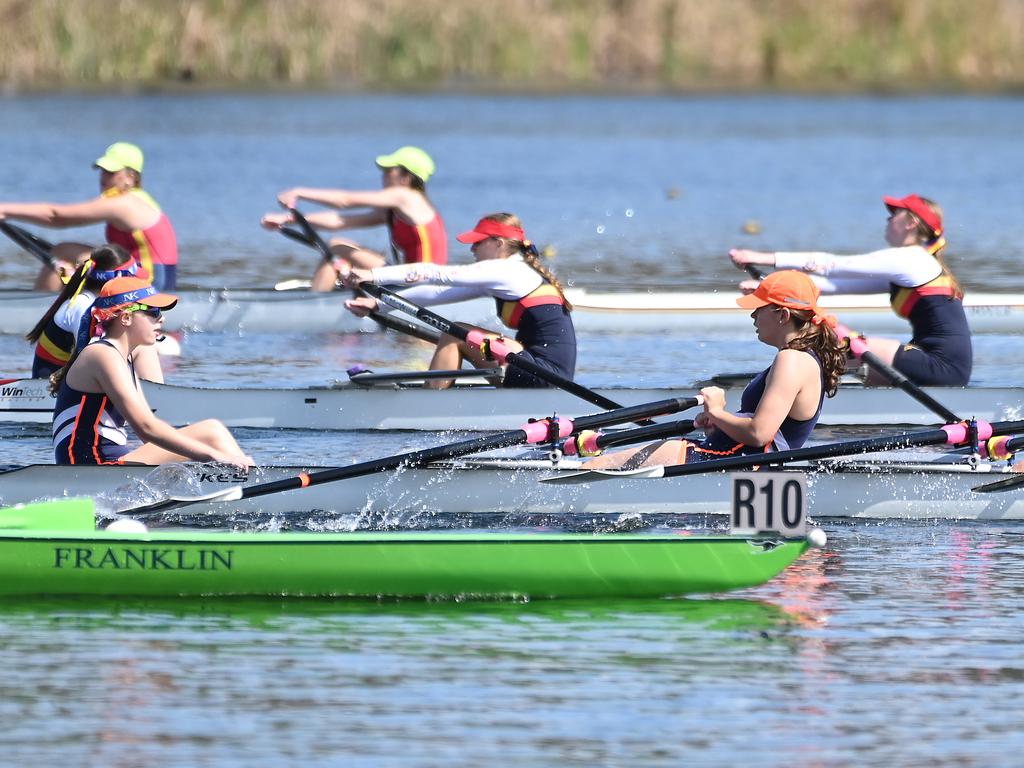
(537, 431)
(957, 433)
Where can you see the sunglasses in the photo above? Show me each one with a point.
(154, 312)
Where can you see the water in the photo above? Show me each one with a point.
(900, 643)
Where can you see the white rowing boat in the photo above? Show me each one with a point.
(835, 489)
(407, 405)
(268, 311)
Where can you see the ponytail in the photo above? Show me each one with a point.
(820, 339)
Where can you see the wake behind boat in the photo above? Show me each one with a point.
(269, 311)
(861, 488)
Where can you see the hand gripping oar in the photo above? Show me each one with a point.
(951, 434)
(543, 430)
(309, 236)
(859, 347)
(38, 247)
(494, 347)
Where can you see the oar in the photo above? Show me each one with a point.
(951, 434)
(859, 347)
(1002, 448)
(496, 349)
(309, 236)
(38, 247)
(543, 430)
(592, 443)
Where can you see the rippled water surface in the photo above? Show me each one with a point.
(899, 644)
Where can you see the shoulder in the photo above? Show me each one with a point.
(794, 362)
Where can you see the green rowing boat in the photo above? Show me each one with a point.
(54, 549)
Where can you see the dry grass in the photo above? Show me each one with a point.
(684, 44)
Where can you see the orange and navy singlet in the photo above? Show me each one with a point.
(155, 248)
(419, 243)
(87, 428)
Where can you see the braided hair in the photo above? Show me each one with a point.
(529, 252)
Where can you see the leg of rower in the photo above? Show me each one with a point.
(661, 453)
(209, 431)
(886, 351)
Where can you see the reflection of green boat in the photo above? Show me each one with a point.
(54, 549)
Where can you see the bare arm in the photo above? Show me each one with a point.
(112, 209)
(787, 377)
(106, 371)
(329, 220)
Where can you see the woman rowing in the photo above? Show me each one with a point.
(921, 288)
(530, 300)
(781, 405)
(54, 334)
(98, 392)
(414, 225)
(133, 218)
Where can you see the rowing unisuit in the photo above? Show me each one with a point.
(939, 352)
(155, 248)
(525, 301)
(419, 243)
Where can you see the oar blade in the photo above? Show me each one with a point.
(999, 486)
(233, 493)
(597, 475)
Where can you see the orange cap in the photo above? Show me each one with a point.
(787, 288)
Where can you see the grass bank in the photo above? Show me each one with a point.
(531, 44)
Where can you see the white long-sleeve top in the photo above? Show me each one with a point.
(906, 266)
(506, 279)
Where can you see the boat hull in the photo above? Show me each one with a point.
(374, 565)
(268, 311)
(856, 489)
(481, 408)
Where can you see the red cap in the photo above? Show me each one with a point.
(490, 228)
(919, 208)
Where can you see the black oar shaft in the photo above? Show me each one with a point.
(465, 447)
(453, 450)
(642, 434)
(847, 448)
(309, 236)
(34, 245)
(517, 361)
(859, 347)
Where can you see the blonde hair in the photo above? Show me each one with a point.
(528, 251)
(934, 245)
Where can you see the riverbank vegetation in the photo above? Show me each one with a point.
(539, 45)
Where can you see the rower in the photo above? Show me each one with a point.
(921, 288)
(529, 298)
(781, 405)
(415, 227)
(54, 334)
(98, 392)
(133, 218)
